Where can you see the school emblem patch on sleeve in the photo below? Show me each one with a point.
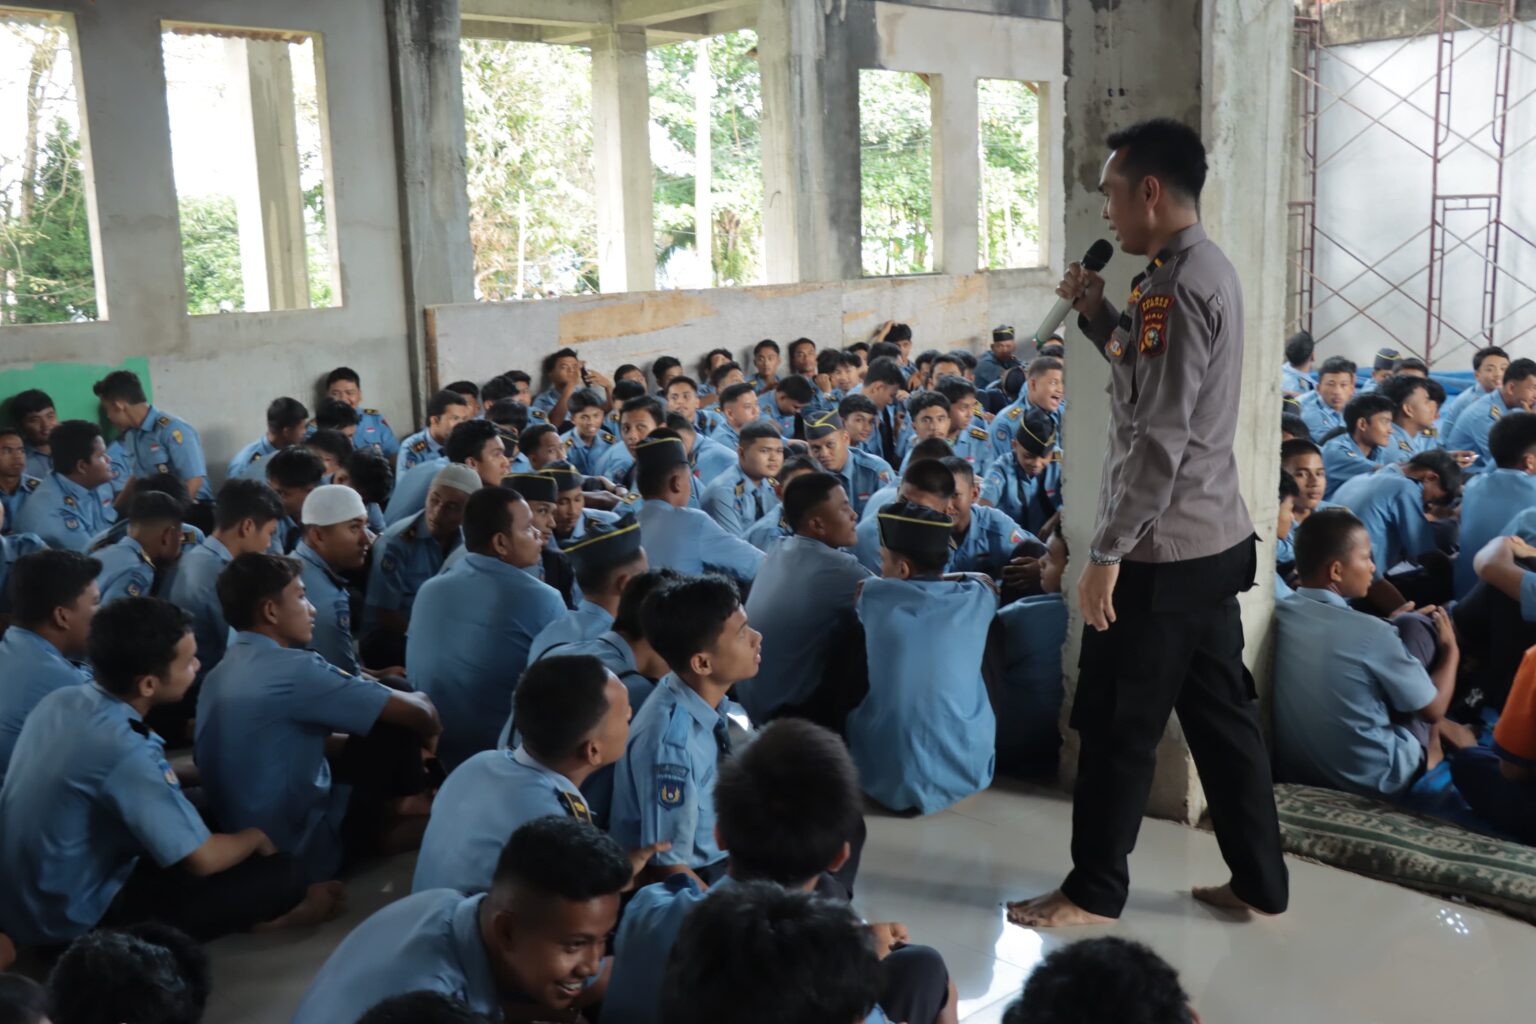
(1154, 324)
(671, 784)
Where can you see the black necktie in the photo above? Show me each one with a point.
(887, 433)
(722, 739)
(757, 500)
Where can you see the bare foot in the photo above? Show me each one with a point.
(1223, 897)
(323, 902)
(7, 951)
(1053, 910)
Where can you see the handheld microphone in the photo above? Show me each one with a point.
(1094, 259)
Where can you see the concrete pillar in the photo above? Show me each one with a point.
(621, 141)
(810, 54)
(269, 199)
(426, 79)
(1232, 83)
(956, 173)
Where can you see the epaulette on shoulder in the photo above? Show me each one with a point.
(1015, 412)
(163, 421)
(609, 438)
(372, 412)
(978, 433)
(30, 483)
(419, 446)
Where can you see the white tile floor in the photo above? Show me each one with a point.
(1349, 950)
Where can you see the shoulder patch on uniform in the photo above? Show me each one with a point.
(1015, 412)
(419, 446)
(885, 476)
(71, 523)
(1405, 446)
(387, 563)
(574, 806)
(978, 433)
(163, 468)
(608, 438)
(741, 488)
(671, 784)
(370, 412)
(163, 421)
(538, 414)
(133, 590)
(1494, 410)
(1154, 324)
(176, 436)
(630, 499)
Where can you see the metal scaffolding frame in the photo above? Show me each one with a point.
(1454, 222)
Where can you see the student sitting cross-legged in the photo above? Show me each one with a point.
(925, 736)
(676, 536)
(530, 949)
(785, 807)
(605, 558)
(1359, 702)
(1397, 504)
(94, 828)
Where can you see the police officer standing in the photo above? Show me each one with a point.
(1173, 545)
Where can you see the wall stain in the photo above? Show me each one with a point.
(624, 319)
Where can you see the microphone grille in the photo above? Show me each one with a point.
(1098, 255)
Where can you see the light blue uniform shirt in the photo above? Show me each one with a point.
(1489, 501)
(1473, 426)
(1453, 409)
(195, 590)
(990, 369)
(126, 571)
(768, 531)
(544, 402)
(988, 544)
(88, 793)
(39, 463)
(427, 942)
(689, 541)
(584, 456)
(64, 514)
(418, 448)
(1295, 381)
(1402, 447)
(768, 405)
(411, 488)
(1392, 508)
(1006, 424)
(117, 458)
(803, 592)
(470, 634)
(482, 803)
(404, 558)
(1028, 734)
(373, 431)
(619, 466)
(735, 501)
(727, 436)
(333, 611)
(32, 668)
(12, 547)
(262, 722)
(1524, 527)
(617, 656)
(1340, 675)
(14, 501)
(584, 622)
(924, 736)
(710, 461)
(166, 444)
(1319, 417)
(664, 787)
(974, 445)
(250, 461)
(1028, 501)
(1343, 462)
(864, 474)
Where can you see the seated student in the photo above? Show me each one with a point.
(563, 373)
(707, 459)
(1303, 461)
(336, 542)
(587, 441)
(766, 358)
(637, 418)
(862, 474)
(933, 448)
(1392, 504)
(154, 441)
(1517, 391)
(542, 493)
(932, 486)
(802, 604)
(145, 972)
(1103, 981)
(16, 484)
(837, 373)
(287, 420)
(1491, 499)
(34, 414)
(573, 516)
(927, 416)
(477, 444)
(738, 407)
(1045, 389)
(12, 548)
(1323, 409)
(334, 449)
(370, 474)
(1414, 412)
(998, 359)
(664, 787)
(445, 410)
(55, 598)
(787, 842)
(472, 625)
(1026, 485)
(293, 474)
(542, 445)
(1361, 449)
(721, 377)
(771, 527)
(572, 718)
(744, 493)
(531, 947)
(153, 542)
(967, 433)
(676, 536)
(663, 370)
(1359, 701)
(924, 737)
(1285, 527)
(984, 538)
(883, 382)
(66, 510)
(471, 391)
(1496, 621)
(1383, 366)
(682, 397)
(269, 711)
(714, 359)
(1499, 781)
(1295, 374)
(413, 550)
(802, 357)
(334, 414)
(94, 828)
(1029, 704)
(786, 404)
(373, 431)
(605, 559)
(858, 415)
(1293, 427)
(1488, 366)
(246, 514)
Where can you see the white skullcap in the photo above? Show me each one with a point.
(458, 476)
(332, 504)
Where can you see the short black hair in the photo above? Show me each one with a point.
(334, 414)
(899, 332)
(146, 973)
(241, 499)
(1411, 363)
(679, 424)
(804, 493)
(931, 448)
(1363, 407)
(735, 391)
(342, 373)
(583, 399)
(651, 477)
(704, 361)
(856, 403)
(1289, 488)
(688, 616)
(332, 442)
(1299, 446)
(1294, 425)
(683, 379)
(858, 347)
(1520, 369)
(1165, 149)
(719, 373)
(508, 412)
(422, 1007)
(48, 579)
(596, 576)
(647, 404)
(72, 442)
(154, 507)
(1041, 365)
(759, 430)
(249, 581)
(967, 360)
(552, 360)
(371, 474)
(829, 359)
(32, 400)
(1337, 364)
(930, 476)
(884, 371)
(1299, 348)
(132, 637)
(1444, 465)
(663, 364)
(498, 387)
(120, 385)
(560, 856)
(954, 388)
(1104, 979)
(467, 440)
(629, 618)
(23, 1001)
(796, 388)
(1399, 388)
(6, 430)
(296, 467)
(1324, 537)
(1477, 357)
(442, 401)
(815, 961)
(798, 463)
(558, 702)
(959, 467)
(624, 368)
(1512, 437)
(787, 803)
(530, 437)
(921, 400)
(768, 343)
(286, 413)
(797, 343)
(624, 390)
(467, 388)
(487, 514)
(884, 350)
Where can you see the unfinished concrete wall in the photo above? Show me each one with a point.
(221, 371)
